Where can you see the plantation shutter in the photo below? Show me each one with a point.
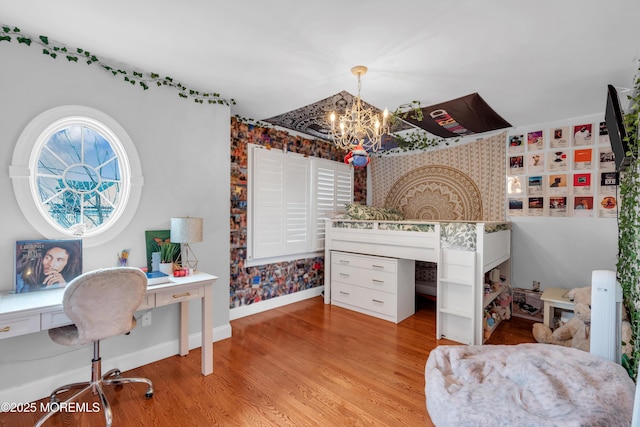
(297, 197)
(333, 185)
(267, 209)
(289, 197)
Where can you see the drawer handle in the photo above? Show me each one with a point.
(377, 266)
(343, 261)
(378, 301)
(344, 275)
(186, 294)
(344, 293)
(5, 329)
(376, 281)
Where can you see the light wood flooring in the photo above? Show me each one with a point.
(305, 364)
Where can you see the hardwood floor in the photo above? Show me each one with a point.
(305, 364)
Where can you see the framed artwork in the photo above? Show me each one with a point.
(582, 134)
(152, 238)
(46, 264)
(559, 137)
(535, 140)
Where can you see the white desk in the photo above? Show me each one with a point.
(39, 311)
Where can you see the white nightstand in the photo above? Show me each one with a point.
(554, 297)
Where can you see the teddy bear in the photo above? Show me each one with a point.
(575, 333)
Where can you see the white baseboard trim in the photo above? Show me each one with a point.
(42, 387)
(259, 307)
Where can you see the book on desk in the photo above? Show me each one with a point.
(157, 278)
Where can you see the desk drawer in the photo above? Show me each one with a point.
(378, 280)
(363, 261)
(54, 319)
(379, 302)
(19, 325)
(173, 296)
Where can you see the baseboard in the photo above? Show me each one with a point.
(43, 386)
(259, 307)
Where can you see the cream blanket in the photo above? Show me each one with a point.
(525, 385)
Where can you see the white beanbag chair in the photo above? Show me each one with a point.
(526, 385)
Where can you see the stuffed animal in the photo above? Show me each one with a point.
(575, 333)
(358, 157)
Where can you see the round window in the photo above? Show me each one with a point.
(83, 174)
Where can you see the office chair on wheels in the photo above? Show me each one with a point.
(102, 304)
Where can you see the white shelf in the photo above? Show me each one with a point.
(458, 313)
(456, 281)
(488, 298)
(491, 329)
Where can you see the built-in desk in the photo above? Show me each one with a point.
(22, 314)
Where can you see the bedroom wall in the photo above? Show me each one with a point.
(184, 152)
(561, 252)
(557, 252)
(263, 287)
(464, 181)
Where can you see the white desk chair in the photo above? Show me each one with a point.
(101, 303)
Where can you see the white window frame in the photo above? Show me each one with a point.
(274, 203)
(24, 167)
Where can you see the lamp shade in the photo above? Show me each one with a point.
(186, 230)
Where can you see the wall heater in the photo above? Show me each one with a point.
(606, 315)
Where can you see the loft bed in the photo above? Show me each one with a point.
(463, 251)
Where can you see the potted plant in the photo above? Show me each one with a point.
(168, 255)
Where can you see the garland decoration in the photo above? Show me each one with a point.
(416, 139)
(628, 264)
(142, 79)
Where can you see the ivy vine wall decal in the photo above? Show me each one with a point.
(628, 265)
(136, 78)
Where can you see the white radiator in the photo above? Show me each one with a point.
(606, 315)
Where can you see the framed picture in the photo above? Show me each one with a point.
(153, 238)
(46, 264)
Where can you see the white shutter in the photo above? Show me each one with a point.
(296, 200)
(289, 196)
(333, 188)
(344, 186)
(268, 209)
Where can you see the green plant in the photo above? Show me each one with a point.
(141, 79)
(628, 265)
(417, 139)
(168, 251)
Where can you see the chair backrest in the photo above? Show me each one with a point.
(102, 302)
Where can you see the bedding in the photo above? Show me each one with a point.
(364, 212)
(525, 385)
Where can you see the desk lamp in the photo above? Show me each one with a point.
(187, 230)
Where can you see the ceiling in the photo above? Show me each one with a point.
(531, 61)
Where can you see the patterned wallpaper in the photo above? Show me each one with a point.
(249, 285)
(464, 182)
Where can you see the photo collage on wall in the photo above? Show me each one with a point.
(564, 171)
(249, 285)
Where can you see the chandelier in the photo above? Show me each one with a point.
(359, 126)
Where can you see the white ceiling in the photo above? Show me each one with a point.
(533, 61)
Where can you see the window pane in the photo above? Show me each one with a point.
(79, 178)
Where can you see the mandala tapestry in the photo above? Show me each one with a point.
(434, 193)
(464, 182)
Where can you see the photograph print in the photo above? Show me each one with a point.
(46, 264)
